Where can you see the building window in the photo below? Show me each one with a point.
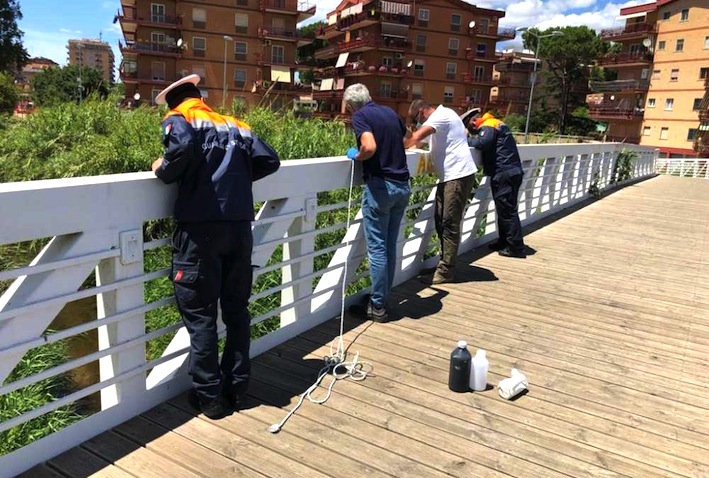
(199, 70)
(242, 3)
(420, 42)
(484, 25)
(664, 132)
(684, 15)
(704, 73)
(481, 50)
(697, 105)
(157, 38)
(416, 91)
(706, 43)
(239, 78)
(385, 89)
(475, 97)
(199, 46)
(419, 67)
(199, 18)
(157, 68)
(479, 73)
(680, 45)
(661, 45)
(655, 74)
(448, 93)
(669, 104)
(453, 44)
(241, 23)
(456, 21)
(157, 13)
(153, 94)
(387, 61)
(646, 131)
(240, 50)
(424, 14)
(278, 54)
(651, 102)
(451, 70)
(674, 74)
(691, 134)
(666, 15)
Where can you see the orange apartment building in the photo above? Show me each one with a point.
(512, 80)
(32, 68)
(241, 48)
(440, 50)
(660, 96)
(93, 54)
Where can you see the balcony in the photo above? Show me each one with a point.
(130, 20)
(328, 32)
(507, 82)
(620, 86)
(505, 99)
(359, 45)
(150, 48)
(329, 51)
(477, 80)
(135, 78)
(626, 59)
(630, 31)
(493, 32)
(279, 6)
(527, 66)
(704, 115)
(610, 112)
(305, 11)
(285, 34)
(359, 20)
(359, 69)
(481, 56)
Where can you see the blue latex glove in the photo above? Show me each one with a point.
(352, 152)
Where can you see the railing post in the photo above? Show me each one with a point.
(293, 272)
(128, 265)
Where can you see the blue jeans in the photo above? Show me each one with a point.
(383, 204)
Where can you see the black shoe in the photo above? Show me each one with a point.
(212, 409)
(234, 396)
(496, 245)
(507, 252)
(368, 312)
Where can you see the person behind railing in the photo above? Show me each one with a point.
(380, 139)
(501, 162)
(455, 168)
(214, 159)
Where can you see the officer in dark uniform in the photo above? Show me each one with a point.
(502, 163)
(214, 159)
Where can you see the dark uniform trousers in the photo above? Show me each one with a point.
(451, 199)
(505, 192)
(211, 263)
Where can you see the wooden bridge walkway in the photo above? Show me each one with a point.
(609, 319)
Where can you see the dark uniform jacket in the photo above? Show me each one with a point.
(214, 158)
(497, 145)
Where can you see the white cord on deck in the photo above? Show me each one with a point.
(336, 360)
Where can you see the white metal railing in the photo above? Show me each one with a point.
(684, 167)
(95, 225)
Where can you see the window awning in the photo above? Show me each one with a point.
(395, 30)
(341, 60)
(280, 73)
(631, 15)
(326, 84)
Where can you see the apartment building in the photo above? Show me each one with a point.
(93, 54)
(440, 50)
(32, 68)
(658, 98)
(512, 81)
(244, 50)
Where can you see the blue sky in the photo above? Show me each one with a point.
(49, 24)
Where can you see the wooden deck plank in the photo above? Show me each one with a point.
(437, 407)
(609, 319)
(80, 462)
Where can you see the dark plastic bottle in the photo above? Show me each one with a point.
(459, 375)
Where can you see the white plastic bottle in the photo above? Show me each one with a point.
(478, 371)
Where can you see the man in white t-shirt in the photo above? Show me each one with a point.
(455, 168)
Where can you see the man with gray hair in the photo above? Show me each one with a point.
(380, 146)
(455, 168)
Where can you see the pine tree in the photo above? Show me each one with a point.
(12, 53)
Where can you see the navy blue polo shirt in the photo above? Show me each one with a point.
(389, 160)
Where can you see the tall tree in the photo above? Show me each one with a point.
(567, 59)
(8, 93)
(59, 85)
(12, 54)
